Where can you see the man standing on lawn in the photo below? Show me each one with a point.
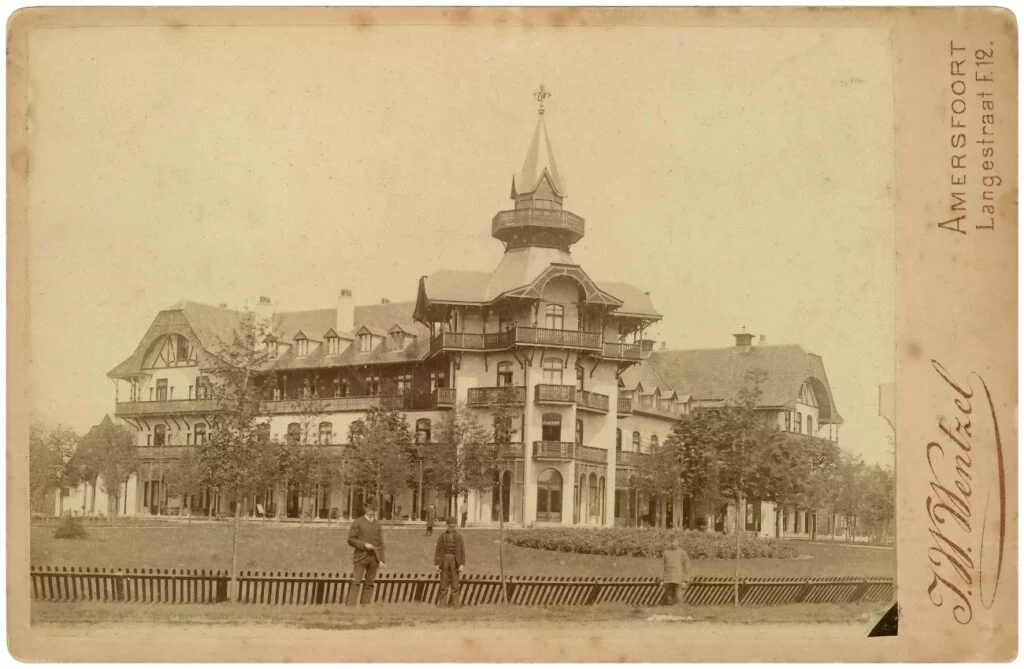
(449, 559)
(431, 519)
(465, 513)
(366, 537)
(677, 572)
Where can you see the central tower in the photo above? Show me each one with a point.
(538, 219)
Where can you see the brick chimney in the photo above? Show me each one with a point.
(264, 315)
(744, 339)
(385, 300)
(345, 318)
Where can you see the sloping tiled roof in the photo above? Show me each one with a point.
(451, 285)
(314, 323)
(383, 316)
(635, 302)
(643, 374)
(719, 374)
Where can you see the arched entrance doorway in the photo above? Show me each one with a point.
(549, 496)
(502, 503)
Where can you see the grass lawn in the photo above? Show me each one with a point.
(420, 615)
(277, 547)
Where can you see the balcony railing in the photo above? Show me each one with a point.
(592, 401)
(500, 341)
(554, 450)
(488, 396)
(165, 407)
(591, 454)
(160, 452)
(444, 397)
(622, 351)
(512, 451)
(551, 394)
(663, 408)
(333, 404)
(629, 458)
(625, 406)
(549, 218)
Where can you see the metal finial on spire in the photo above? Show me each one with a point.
(541, 95)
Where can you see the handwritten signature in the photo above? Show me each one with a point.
(951, 504)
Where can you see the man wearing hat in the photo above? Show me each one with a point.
(366, 538)
(449, 559)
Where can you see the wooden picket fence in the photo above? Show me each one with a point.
(171, 586)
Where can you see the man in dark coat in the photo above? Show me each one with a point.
(677, 572)
(449, 559)
(366, 537)
(431, 519)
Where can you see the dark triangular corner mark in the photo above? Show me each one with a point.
(889, 624)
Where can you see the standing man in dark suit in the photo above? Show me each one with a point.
(449, 559)
(366, 537)
(431, 519)
(676, 572)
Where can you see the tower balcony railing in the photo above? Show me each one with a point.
(625, 407)
(512, 451)
(520, 334)
(548, 218)
(617, 350)
(591, 454)
(482, 397)
(165, 407)
(546, 393)
(592, 401)
(554, 450)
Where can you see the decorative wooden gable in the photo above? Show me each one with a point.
(594, 295)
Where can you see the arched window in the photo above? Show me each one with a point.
(636, 442)
(810, 425)
(799, 422)
(504, 374)
(601, 496)
(200, 430)
(579, 378)
(553, 371)
(654, 442)
(294, 433)
(423, 431)
(579, 431)
(551, 427)
(595, 501)
(326, 432)
(618, 439)
(160, 435)
(554, 317)
(549, 496)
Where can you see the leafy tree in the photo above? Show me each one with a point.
(186, 477)
(110, 452)
(458, 461)
(379, 458)
(51, 455)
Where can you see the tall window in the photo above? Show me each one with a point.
(551, 427)
(636, 442)
(365, 343)
(654, 442)
(504, 374)
(200, 434)
(423, 431)
(799, 422)
(333, 345)
(438, 380)
(579, 378)
(294, 433)
(595, 498)
(618, 439)
(554, 317)
(373, 385)
(505, 325)
(579, 431)
(161, 390)
(553, 371)
(302, 346)
(787, 420)
(810, 425)
(404, 383)
(326, 432)
(203, 387)
(160, 435)
(502, 429)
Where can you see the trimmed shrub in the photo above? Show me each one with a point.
(644, 542)
(70, 528)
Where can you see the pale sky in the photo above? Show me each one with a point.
(743, 176)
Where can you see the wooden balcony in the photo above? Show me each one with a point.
(629, 458)
(615, 350)
(591, 454)
(663, 409)
(165, 408)
(160, 452)
(319, 405)
(519, 335)
(556, 219)
(444, 397)
(554, 450)
(625, 406)
(513, 451)
(558, 338)
(592, 401)
(482, 397)
(545, 393)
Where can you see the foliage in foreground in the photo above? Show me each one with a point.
(641, 542)
(70, 528)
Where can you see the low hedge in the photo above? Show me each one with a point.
(646, 542)
(70, 528)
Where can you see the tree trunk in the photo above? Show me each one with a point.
(233, 584)
(501, 539)
(736, 574)
(60, 501)
(814, 526)
(778, 521)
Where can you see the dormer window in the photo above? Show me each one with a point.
(365, 343)
(301, 346)
(397, 340)
(333, 345)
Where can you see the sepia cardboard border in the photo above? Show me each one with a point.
(956, 301)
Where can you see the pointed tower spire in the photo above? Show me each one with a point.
(538, 190)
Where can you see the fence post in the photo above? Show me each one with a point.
(119, 586)
(801, 596)
(222, 587)
(595, 591)
(858, 594)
